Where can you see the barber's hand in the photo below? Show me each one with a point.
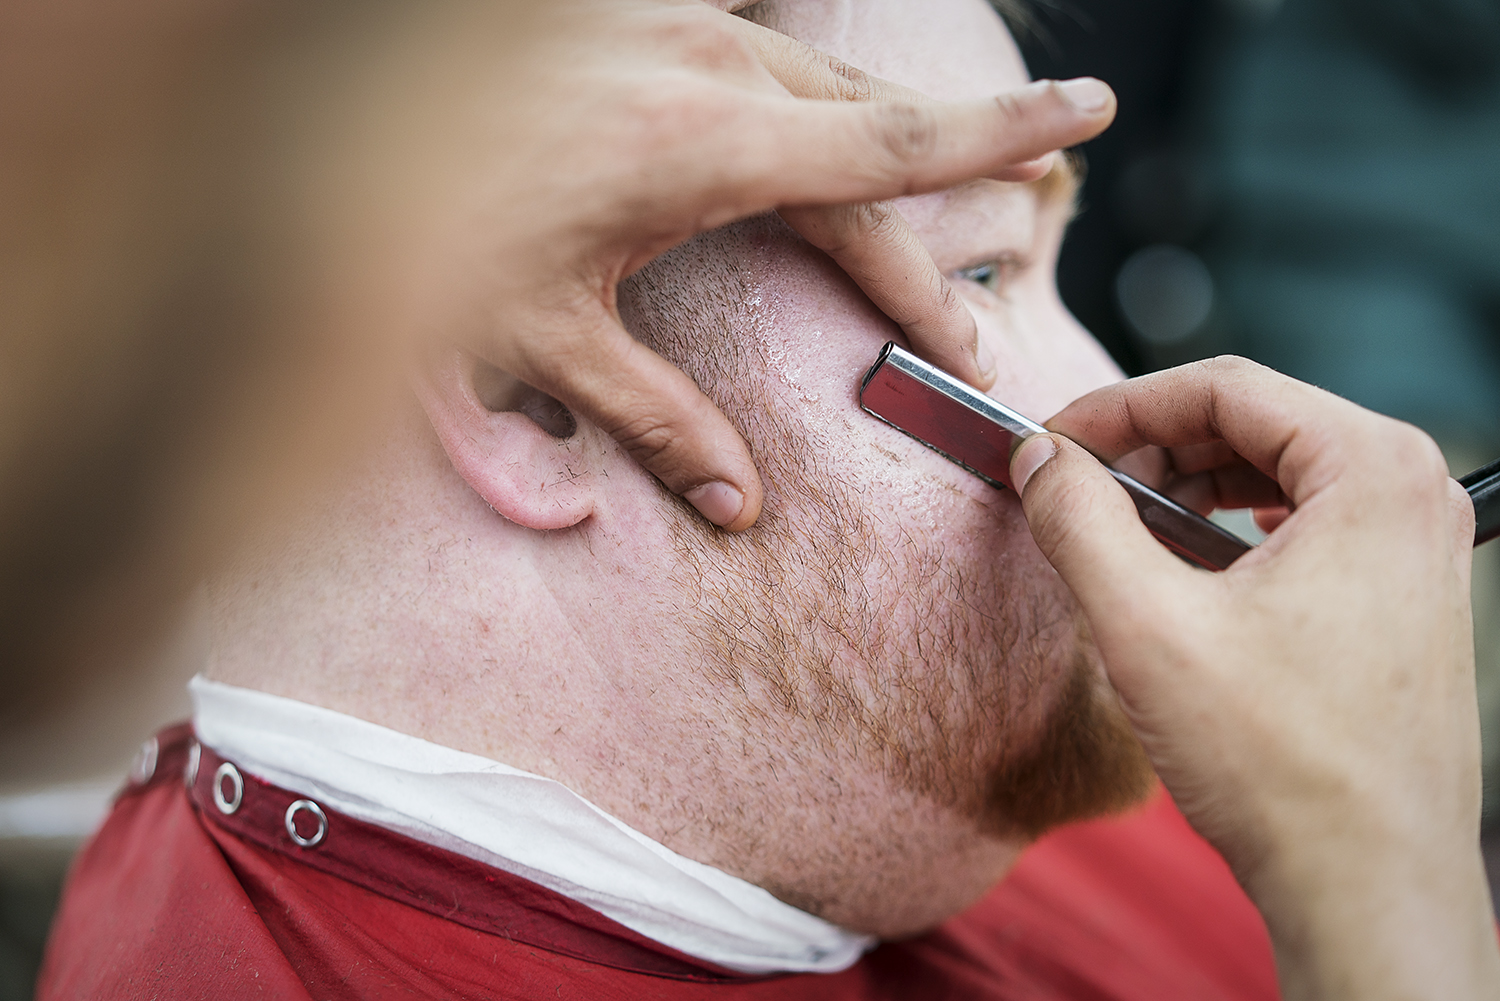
(639, 123)
(1311, 709)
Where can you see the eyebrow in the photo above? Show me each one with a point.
(1062, 183)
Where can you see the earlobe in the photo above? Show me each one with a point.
(516, 447)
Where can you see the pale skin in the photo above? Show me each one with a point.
(516, 592)
(1381, 530)
(480, 170)
(699, 125)
(519, 592)
(494, 568)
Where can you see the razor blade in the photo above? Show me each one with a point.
(966, 427)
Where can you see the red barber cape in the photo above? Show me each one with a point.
(185, 894)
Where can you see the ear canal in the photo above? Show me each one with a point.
(551, 416)
(499, 392)
(516, 447)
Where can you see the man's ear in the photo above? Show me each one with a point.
(518, 448)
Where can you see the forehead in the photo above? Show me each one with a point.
(948, 49)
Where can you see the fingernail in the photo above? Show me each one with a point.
(985, 359)
(1085, 93)
(1029, 458)
(719, 502)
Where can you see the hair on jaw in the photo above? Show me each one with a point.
(882, 648)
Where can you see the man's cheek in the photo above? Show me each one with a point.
(1046, 359)
(1021, 361)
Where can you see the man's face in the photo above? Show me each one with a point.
(890, 606)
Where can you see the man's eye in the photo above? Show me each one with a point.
(995, 275)
(986, 274)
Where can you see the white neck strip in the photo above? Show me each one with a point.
(522, 823)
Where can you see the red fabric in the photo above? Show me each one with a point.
(435, 880)
(169, 902)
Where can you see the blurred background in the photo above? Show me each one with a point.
(1310, 183)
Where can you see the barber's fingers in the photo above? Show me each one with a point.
(1189, 459)
(879, 250)
(870, 240)
(906, 147)
(650, 407)
(1178, 408)
(1302, 437)
(1230, 488)
(1202, 477)
(1213, 476)
(801, 152)
(807, 72)
(1269, 519)
(1089, 530)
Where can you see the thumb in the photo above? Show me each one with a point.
(651, 407)
(1088, 528)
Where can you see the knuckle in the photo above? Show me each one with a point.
(653, 441)
(1233, 367)
(873, 220)
(1061, 508)
(1228, 364)
(837, 230)
(949, 305)
(850, 83)
(725, 50)
(1228, 376)
(1415, 451)
(668, 113)
(940, 318)
(703, 40)
(908, 132)
(931, 313)
(1407, 466)
(1010, 108)
(550, 363)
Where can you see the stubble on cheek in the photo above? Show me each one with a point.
(969, 687)
(966, 681)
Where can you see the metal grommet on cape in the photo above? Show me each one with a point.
(318, 814)
(226, 804)
(143, 767)
(190, 773)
